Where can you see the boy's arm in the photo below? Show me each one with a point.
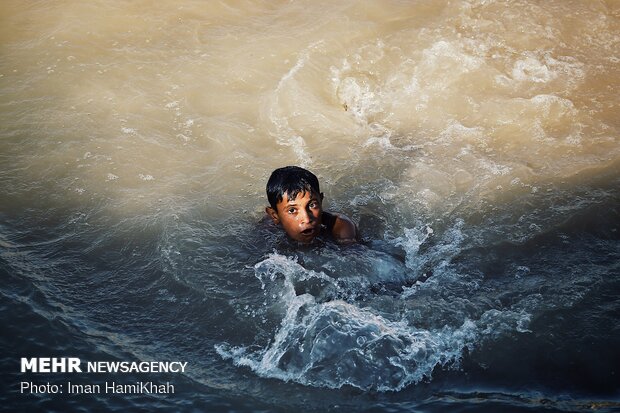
(343, 229)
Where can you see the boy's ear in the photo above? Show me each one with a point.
(273, 214)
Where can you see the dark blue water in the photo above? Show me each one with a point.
(474, 142)
(508, 307)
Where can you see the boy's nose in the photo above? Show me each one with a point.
(306, 216)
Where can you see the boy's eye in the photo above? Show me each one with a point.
(291, 210)
(314, 204)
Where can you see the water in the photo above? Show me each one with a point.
(474, 142)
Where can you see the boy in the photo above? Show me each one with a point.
(295, 199)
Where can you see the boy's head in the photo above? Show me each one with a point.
(295, 200)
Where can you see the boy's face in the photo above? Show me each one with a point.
(300, 217)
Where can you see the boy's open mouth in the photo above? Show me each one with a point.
(308, 231)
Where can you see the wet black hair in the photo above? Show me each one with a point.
(290, 180)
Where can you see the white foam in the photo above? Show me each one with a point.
(359, 97)
(544, 68)
(278, 115)
(437, 257)
(335, 342)
(128, 131)
(532, 69)
(411, 242)
(444, 53)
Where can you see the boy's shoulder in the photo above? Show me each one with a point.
(340, 227)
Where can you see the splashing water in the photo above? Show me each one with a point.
(475, 143)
